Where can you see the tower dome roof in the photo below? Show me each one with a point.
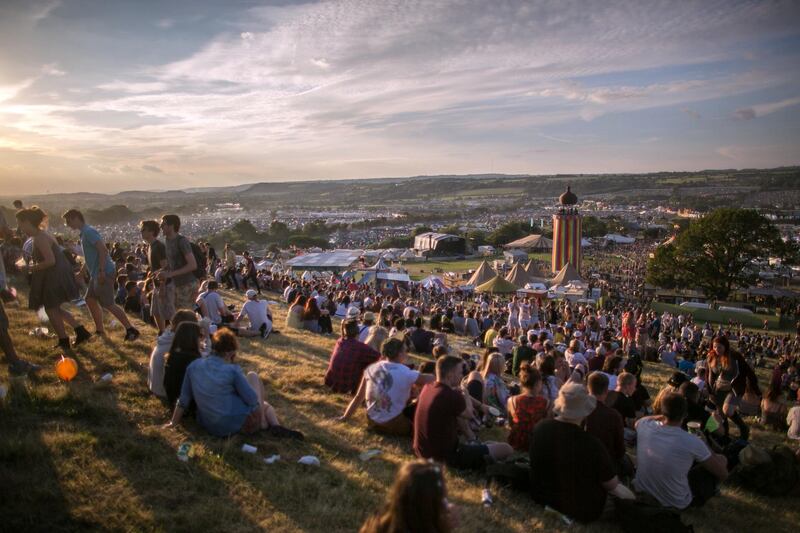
(568, 198)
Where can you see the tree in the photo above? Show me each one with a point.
(419, 230)
(593, 227)
(508, 232)
(716, 253)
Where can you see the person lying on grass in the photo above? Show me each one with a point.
(386, 387)
(227, 402)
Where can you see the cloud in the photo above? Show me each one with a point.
(51, 69)
(694, 114)
(41, 11)
(7, 92)
(281, 90)
(759, 110)
(152, 168)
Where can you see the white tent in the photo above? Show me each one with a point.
(619, 239)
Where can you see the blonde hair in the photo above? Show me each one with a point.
(376, 336)
(494, 364)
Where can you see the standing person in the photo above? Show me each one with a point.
(181, 263)
(417, 502)
(250, 273)
(52, 280)
(162, 302)
(728, 377)
(98, 263)
(230, 267)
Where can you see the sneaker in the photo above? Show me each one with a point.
(20, 368)
(132, 334)
(81, 335)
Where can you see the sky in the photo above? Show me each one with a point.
(104, 96)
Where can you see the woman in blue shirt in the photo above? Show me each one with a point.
(227, 401)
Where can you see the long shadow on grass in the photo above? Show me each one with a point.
(29, 476)
(174, 493)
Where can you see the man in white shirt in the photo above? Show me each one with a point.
(211, 304)
(386, 388)
(257, 313)
(673, 466)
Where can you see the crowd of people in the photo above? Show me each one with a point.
(565, 378)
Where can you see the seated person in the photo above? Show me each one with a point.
(227, 402)
(495, 391)
(155, 372)
(212, 306)
(571, 470)
(421, 339)
(522, 355)
(606, 423)
(443, 410)
(673, 466)
(185, 348)
(621, 399)
(386, 387)
(526, 409)
(133, 298)
(257, 313)
(348, 360)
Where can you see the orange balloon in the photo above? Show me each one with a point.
(67, 368)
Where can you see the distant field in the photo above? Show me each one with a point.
(754, 321)
(497, 191)
(418, 271)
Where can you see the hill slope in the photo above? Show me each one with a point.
(79, 456)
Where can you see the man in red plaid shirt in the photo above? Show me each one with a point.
(348, 360)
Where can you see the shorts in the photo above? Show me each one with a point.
(163, 302)
(400, 426)
(185, 295)
(468, 457)
(252, 424)
(102, 292)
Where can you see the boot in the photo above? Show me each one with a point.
(63, 344)
(81, 335)
(744, 430)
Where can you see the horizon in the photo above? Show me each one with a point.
(189, 189)
(194, 94)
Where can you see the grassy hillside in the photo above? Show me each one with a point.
(80, 456)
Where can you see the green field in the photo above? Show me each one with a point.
(753, 321)
(418, 271)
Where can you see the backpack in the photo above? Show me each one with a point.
(514, 472)
(635, 516)
(199, 258)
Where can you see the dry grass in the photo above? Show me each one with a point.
(78, 456)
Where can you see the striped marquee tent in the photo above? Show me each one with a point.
(567, 227)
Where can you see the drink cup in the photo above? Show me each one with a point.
(693, 427)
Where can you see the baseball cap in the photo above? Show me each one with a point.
(250, 294)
